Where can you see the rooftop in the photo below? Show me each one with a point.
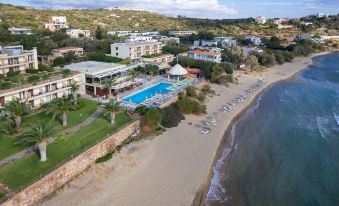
(94, 68)
(145, 43)
(206, 53)
(68, 48)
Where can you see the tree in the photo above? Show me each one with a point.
(38, 134)
(17, 109)
(228, 67)
(134, 73)
(60, 106)
(109, 83)
(70, 56)
(252, 62)
(99, 33)
(75, 88)
(152, 118)
(151, 69)
(59, 61)
(111, 108)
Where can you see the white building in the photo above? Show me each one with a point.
(60, 52)
(205, 43)
(44, 91)
(15, 58)
(167, 39)
(279, 21)
(261, 20)
(322, 15)
(255, 40)
(281, 26)
(140, 39)
(181, 33)
(226, 41)
(135, 50)
(57, 23)
(163, 61)
(78, 33)
(131, 33)
(26, 31)
(119, 33)
(204, 55)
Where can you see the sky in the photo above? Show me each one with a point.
(218, 9)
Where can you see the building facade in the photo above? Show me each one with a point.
(226, 41)
(140, 39)
(77, 33)
(19, 31)
(57, 23)
(181, 33)
(15, 58)
(44, 91)
(261, 20)
(60, 52)
(205, 55)
(135, 50)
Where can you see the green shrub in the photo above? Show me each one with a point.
(171, 116)
(59, 61)
(101, 57)
(190, 106)
(104, 158)
(33, 79)
(181, 95)
(5, 85)
(42, 67)
(151, 119)
(202, 97)
(12, 73)
(32, 71)
(141, 110)
(191, 91)
(66, 72)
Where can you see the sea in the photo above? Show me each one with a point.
(284, 149)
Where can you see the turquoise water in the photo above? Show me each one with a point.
(141, 96)
(286, 147)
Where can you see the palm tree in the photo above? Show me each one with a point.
(75, 88)
(38, 134)
(134, 73)
(61, 106)
(111, 108)
(109, 83)
(70, 56)
(151, 69)
(17, 109)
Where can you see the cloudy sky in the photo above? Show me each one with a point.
(201, 8)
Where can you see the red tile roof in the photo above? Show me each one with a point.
(193, 70)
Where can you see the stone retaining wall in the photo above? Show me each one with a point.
(65, 173)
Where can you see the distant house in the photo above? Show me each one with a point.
(77, 33)
(226, 41)
(26, 31)
(261, 20)
(204, 55)
(119, 33)
(181, 33)
(322, 15)
(57, 23)
(16, 59)
(135, 50)
(279, 21)
(60, 52)
(255, 40)
(131, 33)
(140, 39)
(205, 43)
(167, 39)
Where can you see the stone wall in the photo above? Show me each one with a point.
(65, 173)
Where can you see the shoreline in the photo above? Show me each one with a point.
(172, 167)
(201, 195)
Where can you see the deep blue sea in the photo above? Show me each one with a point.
(285, 149)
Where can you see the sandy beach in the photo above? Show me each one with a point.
(171, 168)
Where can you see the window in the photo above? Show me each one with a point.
(116, 54)
(116, 48)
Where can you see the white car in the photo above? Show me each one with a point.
(205, 131)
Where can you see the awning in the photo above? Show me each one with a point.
(177, 70)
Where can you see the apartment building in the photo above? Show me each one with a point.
(181, 33)
(15, 58)
(60, 52)
(78, 33)
(135, 50)
(226, 41)
(204, 55)
(140, 39)
(44, 91)
(163, 61)
(57, 23)
(205, 43)
(20, 31)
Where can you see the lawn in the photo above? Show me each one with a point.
(7, 146)
(27, 170)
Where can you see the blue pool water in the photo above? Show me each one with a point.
(141, 96)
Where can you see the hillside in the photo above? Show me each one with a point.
(19, 16)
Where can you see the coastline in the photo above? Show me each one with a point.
(171, 168)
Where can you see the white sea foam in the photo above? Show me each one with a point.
(322, 124)
(336, 117)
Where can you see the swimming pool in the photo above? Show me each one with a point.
(139, 97)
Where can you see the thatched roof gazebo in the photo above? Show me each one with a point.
(178, 71)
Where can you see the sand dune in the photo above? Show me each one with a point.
(171, 168)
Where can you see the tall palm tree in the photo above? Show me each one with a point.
(109, 83)
(17, 109)
(75, 88)
(111, 108)
(60, 107)
(151, 69)
(134, 73)
(38, 135)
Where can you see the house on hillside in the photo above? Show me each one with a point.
(60, 52)
(226, 41)
(57, 23)
(25, 31)
(203, 55)
(181, 33)
(78, 33)
(261, 20)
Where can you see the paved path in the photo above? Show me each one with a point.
(30, 150)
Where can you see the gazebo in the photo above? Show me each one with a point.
(177, 70)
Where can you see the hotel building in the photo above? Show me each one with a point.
(15, 58)
(203, 55)
(135, 50)
(44, 91)
(60, 52)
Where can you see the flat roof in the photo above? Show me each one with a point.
(138, 43)
(94, 68)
